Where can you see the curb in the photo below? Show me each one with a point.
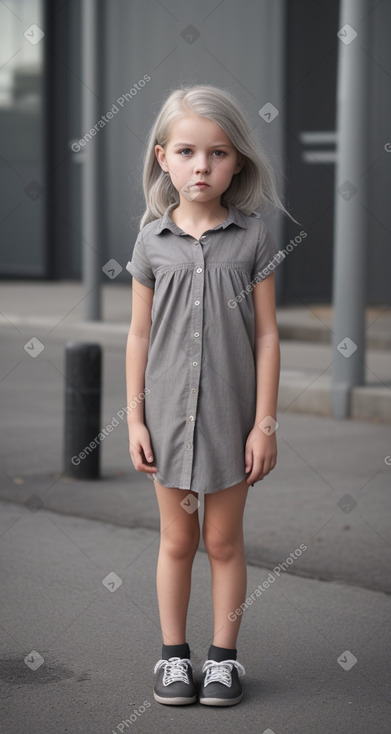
(303, 391)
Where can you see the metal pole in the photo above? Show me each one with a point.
(90, 169)
(350, 225)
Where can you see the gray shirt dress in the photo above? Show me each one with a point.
(201, 369)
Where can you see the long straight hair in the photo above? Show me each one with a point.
(252, 189)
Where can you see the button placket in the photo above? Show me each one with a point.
(195, 338)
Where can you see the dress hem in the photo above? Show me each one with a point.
(202, 491)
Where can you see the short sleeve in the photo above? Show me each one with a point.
(139, 266)
(267, 255)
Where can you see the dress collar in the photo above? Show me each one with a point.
(234, 216)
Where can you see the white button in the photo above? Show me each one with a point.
(202, 237)
(191, 417)
(189, 445)
(199, 270)
(196, 303)
(196, 333)
(193, 389)
(195, 364)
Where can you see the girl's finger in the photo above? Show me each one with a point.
(139, 460)
(147, 451)
(248, 459)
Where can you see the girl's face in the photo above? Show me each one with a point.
(198, 151)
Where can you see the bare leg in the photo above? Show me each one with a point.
(179, 538)
(223, 538)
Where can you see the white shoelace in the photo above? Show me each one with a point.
(221, 672)
(175, 669)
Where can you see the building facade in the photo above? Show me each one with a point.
(265, 52)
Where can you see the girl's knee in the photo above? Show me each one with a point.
(179, 544)
(219, 547)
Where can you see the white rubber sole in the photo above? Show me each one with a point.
(221, 701)
(176, 701)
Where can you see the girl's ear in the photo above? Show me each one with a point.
(239, 165)
(161, 157)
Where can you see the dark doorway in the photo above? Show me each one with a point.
(311, 75)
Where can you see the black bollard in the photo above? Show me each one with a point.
(83, 375)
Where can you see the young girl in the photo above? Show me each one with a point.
(203, 351)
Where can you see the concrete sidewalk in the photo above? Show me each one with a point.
(50, 301)
(48, 309)
(80, 636)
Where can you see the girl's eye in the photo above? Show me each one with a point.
(185, 152)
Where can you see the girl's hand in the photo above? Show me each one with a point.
(260, 454)
(140, 448)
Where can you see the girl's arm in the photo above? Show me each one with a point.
(261, 445)
(137, 347)
(136, 362)
(267, 349)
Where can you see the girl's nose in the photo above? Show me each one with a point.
(201, 164)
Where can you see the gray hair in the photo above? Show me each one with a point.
(253, 188)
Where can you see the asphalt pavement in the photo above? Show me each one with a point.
(79, 620)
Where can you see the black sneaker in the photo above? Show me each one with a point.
(221, 686)
(174, 683)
